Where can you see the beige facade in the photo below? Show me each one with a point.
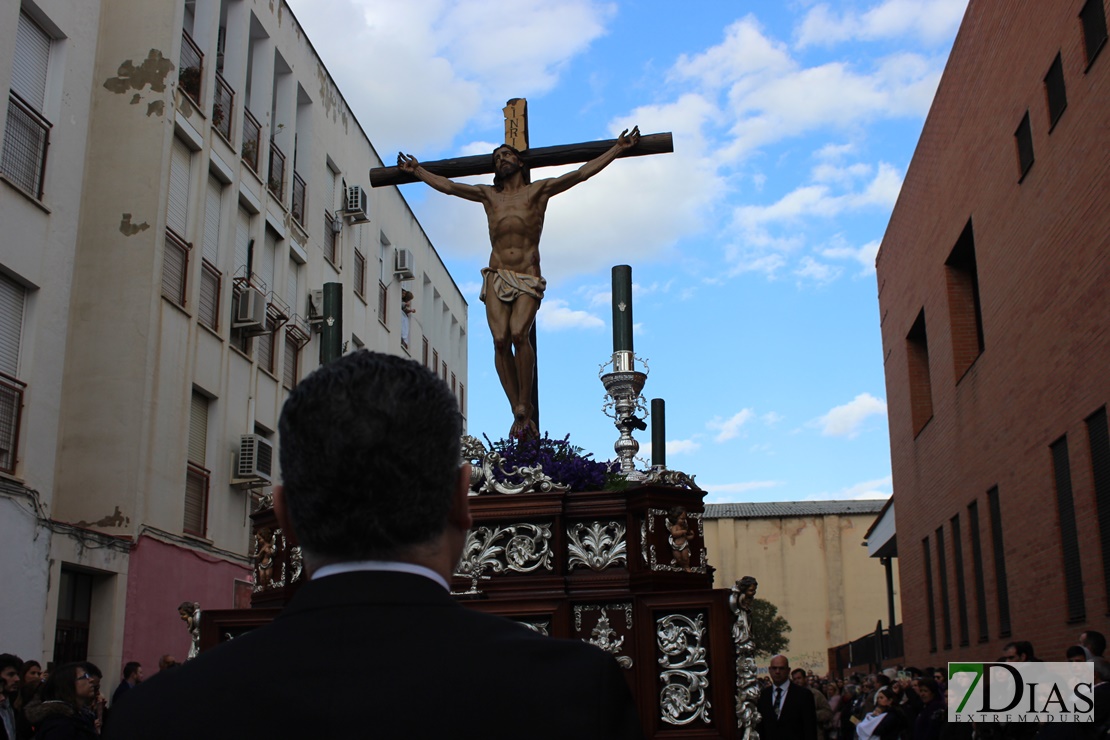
(810, 562)
(198, 153)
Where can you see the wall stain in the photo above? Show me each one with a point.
(155, 108)
(129, 229)
(152, 72)
(115, 519)
(136, 98)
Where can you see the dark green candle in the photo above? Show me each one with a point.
(622, 308)
(658, 433)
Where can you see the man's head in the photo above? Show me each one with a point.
(133, 672)
(506, 162)
(1018, 652)
(166, 661)
(1093, 641)
(798, 677)
(779, 670)
(1076, 654)
(10, 668)
(370, 460)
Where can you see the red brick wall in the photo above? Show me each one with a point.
(1042, 250)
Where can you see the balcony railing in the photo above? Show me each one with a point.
(191, 70)
(223, 104)
(300, 191)
(175, 267)
(276, 180)
(252, 139)
(209, 309)
(25, 143)
(11, 411)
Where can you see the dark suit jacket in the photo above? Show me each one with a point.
(797, 721)
(382, 654)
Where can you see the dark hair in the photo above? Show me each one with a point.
(28, 666)
(1021, 647)
(525, 171)
(798, 670)
(369, 456)
(939, 669)
(889, 694)
(931, 685)
(130, 669)
(1076, 651)
(62, 683)
(1096, 642)
(882, 679)
(7, 660)
(91, 669)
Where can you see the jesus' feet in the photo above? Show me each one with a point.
(523, 426)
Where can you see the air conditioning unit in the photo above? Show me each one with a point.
(251, 309)
(403, 266)
(358, 206)
(256, 458)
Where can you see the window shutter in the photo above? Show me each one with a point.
(269, 254)
(177, 214)
(198, 429)
(212, 221)
(242, 241)
(12, 297)
(32, 56)
(291, 285)
(329, 189)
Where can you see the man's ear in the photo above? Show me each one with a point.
(460, 504)
(282, 514)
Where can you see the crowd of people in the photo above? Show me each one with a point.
(909, 703)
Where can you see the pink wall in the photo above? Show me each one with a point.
(161, 576)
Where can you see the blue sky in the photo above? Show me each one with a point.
(752, 245)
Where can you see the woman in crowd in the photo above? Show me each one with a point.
(885, 722)
(932, 717)
(31, 676)
(831, 693)
(65, 695)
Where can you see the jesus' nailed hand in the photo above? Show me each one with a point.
(512, 286)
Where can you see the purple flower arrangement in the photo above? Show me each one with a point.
(564, 462)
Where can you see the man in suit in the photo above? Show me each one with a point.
(788, 711)
(374, 645)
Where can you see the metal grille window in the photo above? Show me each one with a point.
(252, 139)
(27, 132)
(1069, 537)
(196, 475)
(999, 563)
(191, 70)
(223, 105)
(276, 178)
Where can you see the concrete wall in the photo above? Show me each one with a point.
(813, 569)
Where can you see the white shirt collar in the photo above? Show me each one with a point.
(354, 566)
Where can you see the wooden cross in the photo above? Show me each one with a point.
(516, 136)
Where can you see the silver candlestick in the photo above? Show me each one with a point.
(623, 385)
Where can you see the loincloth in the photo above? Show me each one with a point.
(509, 285)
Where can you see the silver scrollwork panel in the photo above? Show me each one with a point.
(596, 545)
(684, 697)
(520, 548)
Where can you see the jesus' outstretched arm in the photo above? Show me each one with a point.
(408, 163)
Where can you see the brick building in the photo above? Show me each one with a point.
(993, 277)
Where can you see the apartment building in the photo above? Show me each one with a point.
(186, 230)
(993, 290)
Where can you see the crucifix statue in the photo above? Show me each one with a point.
(512, 285)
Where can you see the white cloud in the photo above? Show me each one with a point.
(879, 488)
(674, 447)
(846, 420)
(931, 21)
(723, 493)
(729, 428)
(865, 255)
(556, 315)
(771, 418)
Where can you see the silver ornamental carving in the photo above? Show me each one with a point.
(596, 545)
(672, 566)
(685, 675)
(747, 685)
(297, 562)
(676, 478)
(484, 463)
(538, 627)
(603, 635)
(623, 402)
(522, 548)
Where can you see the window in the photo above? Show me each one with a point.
(208, 310)
(190, 71)
(929, 596)
(263, 279)
(71, 631)
(1099, 437)
(239, 338)
(452, 384)
(424, 351)
(435, 360)
(331, 217)
(1055, 92)
(296, 331)
(964, 309)
(942, 568)
(977, 562)
(383, 303)
(921, 390)
(462, 399)
(999, 563)
(1093, 18)
(444, 372)
(27, 133)
(1069, 538)
(197, 475)
(1024, 138)
(360, 274)
(12, 299)
(961, 593)
(175, 259)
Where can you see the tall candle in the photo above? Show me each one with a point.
(658, 433)
(622, 308)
